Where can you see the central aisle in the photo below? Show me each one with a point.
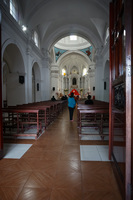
(51, 169)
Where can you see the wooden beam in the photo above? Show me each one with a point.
(129, 98)
(1, 127)
(111, 26)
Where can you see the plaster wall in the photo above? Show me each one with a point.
(101, 59)
(12, 34)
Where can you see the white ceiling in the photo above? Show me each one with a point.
(68, 44)
(55, 19)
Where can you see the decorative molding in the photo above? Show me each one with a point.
(46, 55)
(119, 96)
(54, 76)
(74, 86)
(88, 51)
(58, 52)
(54, 71)
(15, 25)
(29, 52)
(13, 28)
(105, 49)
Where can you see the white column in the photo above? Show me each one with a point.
(54, 80)
(66, 82)
(62, 91)
(28, 78)
(98, 80)
(70, 83)
(78, 83)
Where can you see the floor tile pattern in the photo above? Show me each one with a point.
(15, 150)
(53, 169)
(94, 152)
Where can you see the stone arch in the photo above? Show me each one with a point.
(63, 31)
(13, 71)
(4, 83)
(76, 52)
(36, 83)
(13, 42)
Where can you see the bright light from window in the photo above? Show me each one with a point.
(73, 37)
(124, 32)
(14, 9)
(63, 72)
(84, 71)
(36, 39)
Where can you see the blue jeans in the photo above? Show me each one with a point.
(71, 110)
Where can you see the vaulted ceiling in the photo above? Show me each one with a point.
(57, 19)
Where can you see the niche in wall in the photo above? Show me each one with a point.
(21, 79)
(104, 85)
(74, 81)
(37, 86)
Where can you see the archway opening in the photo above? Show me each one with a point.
(36, 83)
(13, 76)
(73, 55)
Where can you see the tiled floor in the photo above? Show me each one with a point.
(15, 150)
(94, 152)
(53, 168)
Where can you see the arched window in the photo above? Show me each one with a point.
(14, 9)
(74, 81)
(36, 38)
(73, 37)
(63, 72)
(107, 35)
(84, 71)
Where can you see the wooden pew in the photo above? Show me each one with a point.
(119, 128)
(95, 115)
(18, 117)
(93, 118)
(89, 107)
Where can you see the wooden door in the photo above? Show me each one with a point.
(121, 93)
(1, 127)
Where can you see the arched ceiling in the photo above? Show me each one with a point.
(71, 60)
(13, 58)
(57, 19)
(68, 44)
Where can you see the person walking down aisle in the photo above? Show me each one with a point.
(71, 105)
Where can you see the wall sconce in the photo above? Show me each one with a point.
(24, 28)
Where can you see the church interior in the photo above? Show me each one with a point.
(50, 49)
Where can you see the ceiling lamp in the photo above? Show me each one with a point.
(24, 28)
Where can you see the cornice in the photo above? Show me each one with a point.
(105, 49)
(16, 28)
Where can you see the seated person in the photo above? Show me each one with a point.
(89, 100)
(53, 99)
(64, 97)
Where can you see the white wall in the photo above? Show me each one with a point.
(22, 93)
(54, 80)
(101, 59)
(99, 81)
(15, 90)
(106, 79)
(12, 33)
